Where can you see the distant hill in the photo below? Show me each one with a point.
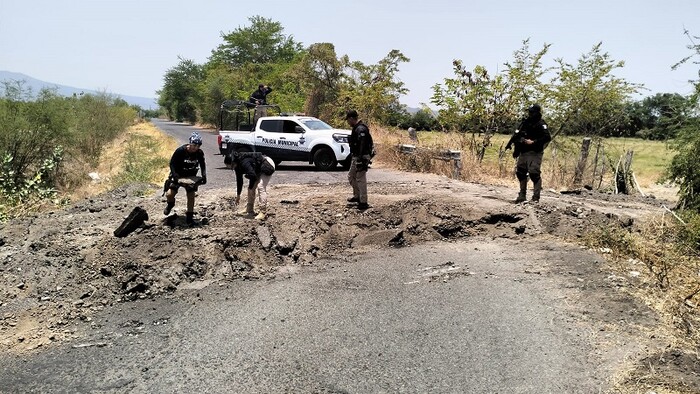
(36, 85)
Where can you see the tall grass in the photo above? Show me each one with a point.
(141, 162)
(487, 162)
(664, 254)
(140, 155)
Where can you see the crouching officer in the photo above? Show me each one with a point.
(258, 169)
(530, 139)
(186, 161)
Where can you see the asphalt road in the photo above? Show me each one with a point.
(378, 323)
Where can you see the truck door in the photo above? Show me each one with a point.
(282, 139)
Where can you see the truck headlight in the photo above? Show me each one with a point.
(342, 138)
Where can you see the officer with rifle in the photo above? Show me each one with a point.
(528, 143)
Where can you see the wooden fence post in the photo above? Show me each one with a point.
(622, 174)
(581, 167)
(456, 157)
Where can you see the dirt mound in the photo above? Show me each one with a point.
(58, 268)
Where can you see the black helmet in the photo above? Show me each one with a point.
(534, 109)
(195, 139)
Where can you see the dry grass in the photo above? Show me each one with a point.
(665, 276)
(498, 166)
(112, 161)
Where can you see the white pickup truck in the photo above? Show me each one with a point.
(289, 138)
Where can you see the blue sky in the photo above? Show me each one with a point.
(126, 46)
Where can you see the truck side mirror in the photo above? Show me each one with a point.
(299, 129)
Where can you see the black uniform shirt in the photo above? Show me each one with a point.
(183, 163)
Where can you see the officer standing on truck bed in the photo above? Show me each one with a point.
(259, 97)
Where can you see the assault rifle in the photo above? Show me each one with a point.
(516, 140)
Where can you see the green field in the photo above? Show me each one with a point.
(649, 161)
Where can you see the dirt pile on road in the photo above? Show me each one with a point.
(59, 268)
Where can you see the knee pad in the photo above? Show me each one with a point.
(521, 175)
(535, 177)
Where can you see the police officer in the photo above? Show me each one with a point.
(530, 139)
(258, 169)
(186, 161)
(361, 146)
(259, 97)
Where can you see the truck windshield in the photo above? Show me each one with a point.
(315, 124)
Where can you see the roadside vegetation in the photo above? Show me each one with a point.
(140, 155)
(50, 144)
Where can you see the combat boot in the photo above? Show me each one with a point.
(536, 190)
(523, 191)
(168, 208)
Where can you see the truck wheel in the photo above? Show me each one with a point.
(324, 159)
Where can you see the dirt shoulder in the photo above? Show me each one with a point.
(60, 268)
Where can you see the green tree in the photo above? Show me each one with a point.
(523, 79)
(424, 120)
(659, 117)
(587, 98)
(259, 53)
(320, 74)
(684, 166)
(98, 119)
(372, 89)
(479, 102)
(179, 96)
(35, 133)
(28, 131)
(262, 42)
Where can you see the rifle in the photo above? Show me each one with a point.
(516, 139)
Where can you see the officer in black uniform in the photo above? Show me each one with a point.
(186, 161)
(361, 147)
(258, 169)
(259, 97)
(530, 139)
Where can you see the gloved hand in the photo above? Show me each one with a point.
(175, 179)
(361, 166)
(515, 154)
(203, 181)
